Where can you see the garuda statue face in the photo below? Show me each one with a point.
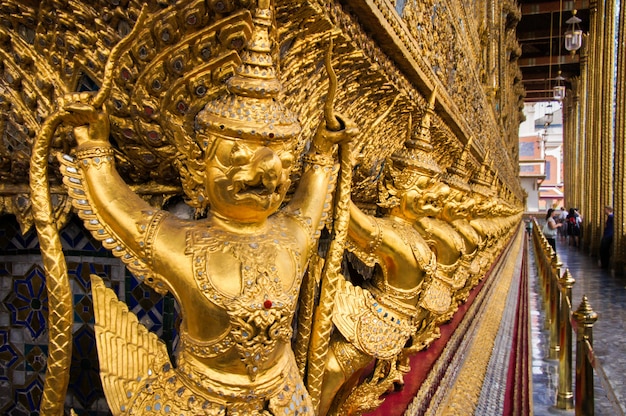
(483, 207)
(425, 199)
(246, 181)
(464, 209)
(432, 200)
(454, 206)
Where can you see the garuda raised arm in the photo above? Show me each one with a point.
(236, 274)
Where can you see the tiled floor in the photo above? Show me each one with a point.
(607, 297)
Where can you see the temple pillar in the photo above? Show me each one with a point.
(582, 163)
(575, 140)
(619, 243)
(571, 151)
(591, 208)
(606, 120)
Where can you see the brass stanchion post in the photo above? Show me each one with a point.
(565, 395)
(555, 298)
(547, 283)
(585, 318)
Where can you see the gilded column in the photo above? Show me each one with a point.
(577, 124)
(581, 163)
(606, 127)
(568, 148)
(574, 176)
(619, 242)
(592, 150)
(587, 127)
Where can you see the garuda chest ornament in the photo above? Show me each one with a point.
(261, 313)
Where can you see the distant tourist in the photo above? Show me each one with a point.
(573, 222)
(607, 238)
(529, 226)
(561, 219)
(550, 228)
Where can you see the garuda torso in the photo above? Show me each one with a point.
(248, 368)
(380, 317)
(259, 316)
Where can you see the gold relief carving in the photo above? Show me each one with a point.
(197, 103)
(437, 297)
(366, 396)
(405, 278)
(376, 323)
(256, 336)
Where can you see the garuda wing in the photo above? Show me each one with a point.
(127, 351)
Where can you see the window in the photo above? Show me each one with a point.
(527, 149)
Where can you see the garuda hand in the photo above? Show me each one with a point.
(325, 138)
(91, 126)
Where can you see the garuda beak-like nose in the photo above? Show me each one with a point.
(261, 175)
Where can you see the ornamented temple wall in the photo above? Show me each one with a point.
(401, 58)
(376, 203)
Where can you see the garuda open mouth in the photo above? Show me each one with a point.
(246, 188)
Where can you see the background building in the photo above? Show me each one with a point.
(541, 155)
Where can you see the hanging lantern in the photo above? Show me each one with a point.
(559, 88)
(574, 35)
(548, 116)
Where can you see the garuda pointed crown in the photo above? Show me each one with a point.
(481, 183)
(415, 157)
(251, 109)
(457, 174)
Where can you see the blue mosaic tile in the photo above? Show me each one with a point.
(28, 304)
(85, 382)
(35, 357)
(83, 309)
(146, 304)
(5, 269)
(11, 238)
(74, 237)
(9, 355)
(80, 273)
(24, 309)
(26, 400)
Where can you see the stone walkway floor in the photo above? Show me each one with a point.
(607, 297)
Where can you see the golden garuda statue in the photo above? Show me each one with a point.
(236, 273)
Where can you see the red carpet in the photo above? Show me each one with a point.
(517, 394)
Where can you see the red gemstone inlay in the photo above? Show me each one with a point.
(267, 304)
